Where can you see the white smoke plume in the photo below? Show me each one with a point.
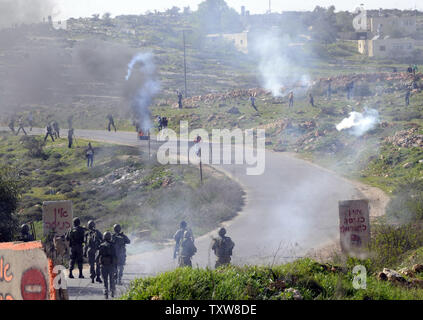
(146, 87)
(359, 123)
(278, 61)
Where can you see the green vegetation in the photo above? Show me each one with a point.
(124, 187)
(10, 192)
(313, 280)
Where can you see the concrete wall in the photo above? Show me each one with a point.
(24, 272)
(390, 48)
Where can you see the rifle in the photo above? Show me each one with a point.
(176, 250)
(34, 235)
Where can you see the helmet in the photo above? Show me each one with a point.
(91, 224)
(222, 232)
(117, 228)
(107, 236)
(24, 228)
(76, 222)
(183, 224)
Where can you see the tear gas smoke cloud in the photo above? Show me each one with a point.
(359, 123)
(145, 87)
(15, 12)
(277, 61)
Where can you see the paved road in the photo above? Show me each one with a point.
(291, 209)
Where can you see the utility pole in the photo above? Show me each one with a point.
(185, 65)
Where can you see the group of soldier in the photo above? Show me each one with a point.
(106, 254)
(185, 248)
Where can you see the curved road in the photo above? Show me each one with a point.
(291, 209)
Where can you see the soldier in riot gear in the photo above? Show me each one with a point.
(183, 226)
(187, 250)
(93, 240)
(222, 248)
(107, 259)
(76, 238)
(120, 240)
(25, 236)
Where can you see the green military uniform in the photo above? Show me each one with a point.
(187, 250)
(107, 259)
(93, 240)
(120, 240)
(76, 238)
(222, 248)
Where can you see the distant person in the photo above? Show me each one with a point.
(410, 69)
(137, 125)
(253, 102)
(407, 97)
(165, 122)
(70, 121)
(12, 124)
(311, 100)
(159, 123)
(222, 248)
(180, 99)
(120, 241)
(30, 120)
(187, 250)
(415, 69)
(76, 238)
(111, 122)
(350, 89)
(71, 135)
(291, 99)
(25, 236)
(49, 132)
(21, 126)
(107, 259)
(56, 129)
(183, 226)
(329, 91)
(93, 240)
(90, 155)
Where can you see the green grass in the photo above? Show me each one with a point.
(150, 196)
(313, 281)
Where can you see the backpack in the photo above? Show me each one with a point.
(106, 254)
(93, 240)
(224, 247)
(76, 236)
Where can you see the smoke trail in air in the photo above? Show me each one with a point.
(147, 87)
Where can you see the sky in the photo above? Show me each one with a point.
(85, 8)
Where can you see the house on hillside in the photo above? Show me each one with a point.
(389, 36)
(240, 40)
(386, 47)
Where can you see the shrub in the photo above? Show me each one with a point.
(34, 146)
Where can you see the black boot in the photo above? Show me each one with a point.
(71, 275)
(81, 276)
(92, 280)
(98, 280)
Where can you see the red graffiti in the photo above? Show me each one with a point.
(58, 213)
